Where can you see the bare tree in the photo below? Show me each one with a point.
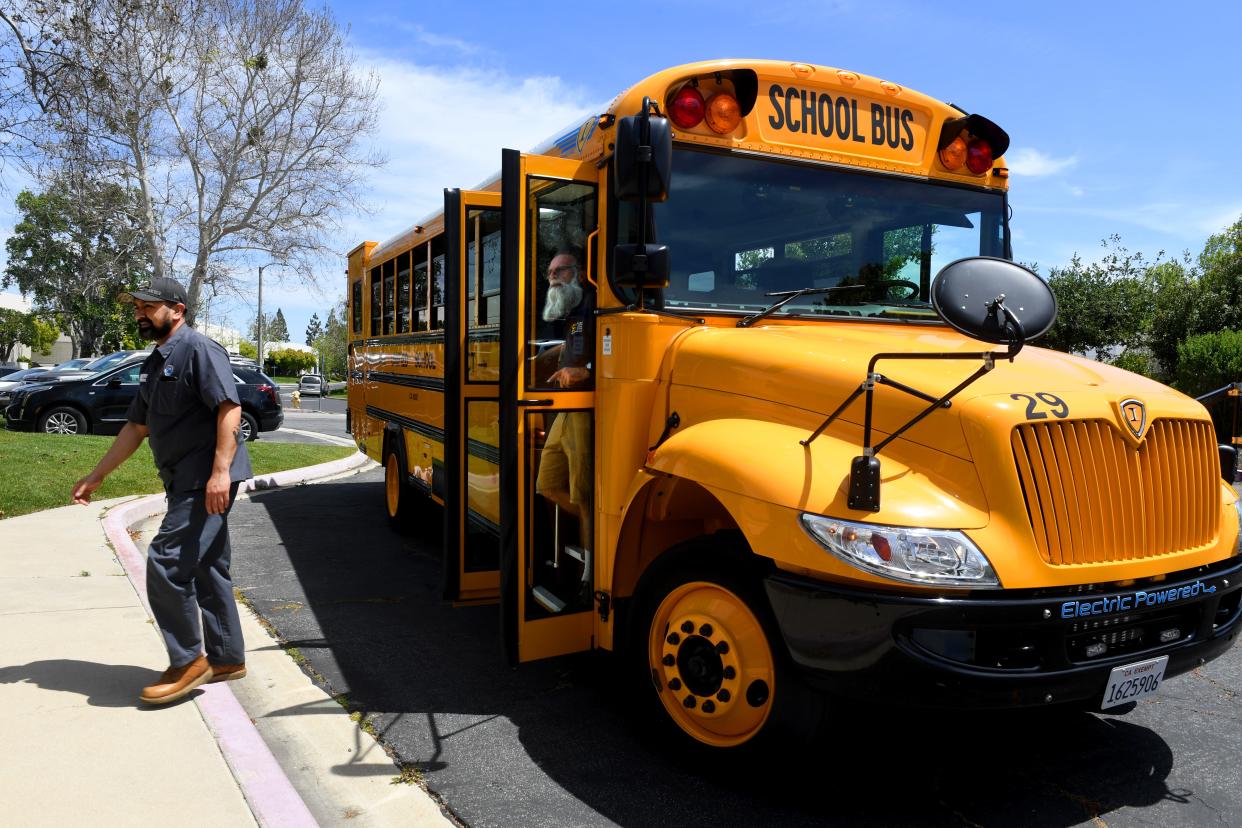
(240, 124)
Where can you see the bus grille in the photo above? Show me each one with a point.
(1092, 497)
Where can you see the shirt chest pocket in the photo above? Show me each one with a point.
(171, 395)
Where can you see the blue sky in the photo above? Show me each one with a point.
(1124, 116)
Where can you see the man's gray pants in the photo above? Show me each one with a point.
(188, 575)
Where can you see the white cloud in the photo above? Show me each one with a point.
(1217, 222)
(439, 127)
(1033, 163)
(445, 128)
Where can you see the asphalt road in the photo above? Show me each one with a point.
(552, 743)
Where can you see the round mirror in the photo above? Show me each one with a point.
(963, 291)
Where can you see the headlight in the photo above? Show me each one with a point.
(940, 557)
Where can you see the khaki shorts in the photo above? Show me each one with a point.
(566, 460)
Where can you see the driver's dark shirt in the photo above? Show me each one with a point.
(180, 387)
(579, 334)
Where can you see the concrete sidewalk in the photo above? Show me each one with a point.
(78, 645)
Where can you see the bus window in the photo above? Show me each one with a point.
(356, 307)
(566, 214)
(791, 227)
(437, 283)
(418, 290)
(483, 242)
(377, 301)
(390, 309)
(403, 293)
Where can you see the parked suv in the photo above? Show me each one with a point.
(260, 399)
(98, 403)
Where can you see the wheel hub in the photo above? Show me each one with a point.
(711, 664)
(700, 666)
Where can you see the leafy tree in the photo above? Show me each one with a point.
(1220, 283)
(290, 361)
(1175, 312)
(248, 350)
(333, 345)
(279, 330)
(314, 329)
(74, 249)
(17, 328)
(1101, 305)
(1135, 360)
(241, 126)
(267, 328)
(1209, 361)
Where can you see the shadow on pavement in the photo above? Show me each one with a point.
(103, 685)
(551, 743)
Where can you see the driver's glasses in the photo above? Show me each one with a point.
(563, 272)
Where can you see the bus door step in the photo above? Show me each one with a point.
(577, 553)
(547, 600)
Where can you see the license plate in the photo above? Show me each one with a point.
(1133, 681)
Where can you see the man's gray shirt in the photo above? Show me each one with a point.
(181, 385)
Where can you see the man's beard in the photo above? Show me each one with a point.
(561, 300)
(152, 331)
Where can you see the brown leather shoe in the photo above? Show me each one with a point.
(176, 682)
(227, 672)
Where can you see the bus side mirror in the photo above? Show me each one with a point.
(640, 266)
(642, 169)
(636, 151)
(994, 300)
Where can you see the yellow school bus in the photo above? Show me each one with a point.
(732, 379)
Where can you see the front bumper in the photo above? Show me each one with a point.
(1018, 648)
(13, 419)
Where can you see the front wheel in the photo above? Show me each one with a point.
(63, 420)
(714, 660)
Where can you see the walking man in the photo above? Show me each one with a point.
(187, 404)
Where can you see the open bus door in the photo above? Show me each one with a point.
(547, 505)
(472, 224)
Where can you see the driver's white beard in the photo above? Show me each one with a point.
(561, 300)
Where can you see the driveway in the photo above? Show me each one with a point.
(551, 743)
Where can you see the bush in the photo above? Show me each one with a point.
(1209, 361)
(1136, 362)
(290, 362)
(248, 350)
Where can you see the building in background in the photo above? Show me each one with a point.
(61, 351)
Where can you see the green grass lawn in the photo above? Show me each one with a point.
(37, 471)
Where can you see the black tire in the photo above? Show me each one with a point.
(62, 420)
(399, 498)
(249, 427)
(708, 688)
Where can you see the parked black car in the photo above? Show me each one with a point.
(260, 399)
(98, 403)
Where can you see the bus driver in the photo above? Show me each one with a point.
(565, 470)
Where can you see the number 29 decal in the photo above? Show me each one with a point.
(1039, 406)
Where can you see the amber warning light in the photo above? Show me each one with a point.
(721, 111)
(972, 142)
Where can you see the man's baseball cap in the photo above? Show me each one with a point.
(158, 290)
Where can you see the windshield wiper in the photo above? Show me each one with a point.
(788, 296)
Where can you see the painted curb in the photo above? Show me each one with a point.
(273, 800)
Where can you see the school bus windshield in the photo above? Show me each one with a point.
(739, 228)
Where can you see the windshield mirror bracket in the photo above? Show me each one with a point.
(864, 491)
